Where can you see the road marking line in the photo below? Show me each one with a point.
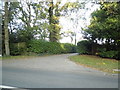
(2, 86)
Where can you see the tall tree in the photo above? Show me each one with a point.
(1, 31)
(105, 25)
(54, 28)
(6, 32)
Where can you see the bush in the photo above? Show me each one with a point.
(84, 47)
(69, 48)
(118, 55)
(37, 46)
(40, 46)
(109, 54)
(17, 48)
(53, 48)
(74, 49)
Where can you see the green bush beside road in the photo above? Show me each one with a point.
(84, 47)
(42, 47)
(91, 48)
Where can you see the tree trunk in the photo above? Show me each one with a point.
(6, 32)
(75, 39)
(54, 31)
(51, 38)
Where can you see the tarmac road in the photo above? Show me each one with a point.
(55, 71)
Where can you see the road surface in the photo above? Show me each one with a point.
(55, 71)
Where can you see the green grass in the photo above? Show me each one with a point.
(16, 57)
(102, 64)
(23, 56)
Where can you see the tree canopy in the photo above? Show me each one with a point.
(105, 26)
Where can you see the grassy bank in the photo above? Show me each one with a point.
(16, 57)
(102, 64)
(24, 56)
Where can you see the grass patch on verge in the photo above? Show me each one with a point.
(24, 56)
(16, 57)
(102, 64)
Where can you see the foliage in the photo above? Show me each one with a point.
(53, 48)
(108, 54)
(105, 23)
(37, 20)
(18, 48)
(69, 48)
(36, 46)
(84, 47)
(105, 28)
(39, 47)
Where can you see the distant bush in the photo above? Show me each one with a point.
(69, 48)
(108, 54)
(87, 47)
(118, 55)
(53, 48)
(74, 49)
(103, 52)
(84, 47)
(36, 46)
(18, 48)
(40, 46)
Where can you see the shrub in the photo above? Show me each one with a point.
(118, 55)
(84, 47)
(74, 49)
(109, 54)
(40, 46)
(17, 48)
(37, 46)
(69, 48)
(53, 48)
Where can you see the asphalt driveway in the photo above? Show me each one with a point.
(55, 71)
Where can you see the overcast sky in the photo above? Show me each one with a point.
(67, 24)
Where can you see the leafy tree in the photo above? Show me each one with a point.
(54, 28)
(105, 26)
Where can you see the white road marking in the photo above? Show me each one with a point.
(2, 86)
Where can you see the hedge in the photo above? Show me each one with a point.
(42, 47)
(86, 47)
(109, 54)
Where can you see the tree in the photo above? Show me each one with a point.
(55, 11)
(1, 32)
(54, 28)
(104, 23)
(6, 32)
(105, 26)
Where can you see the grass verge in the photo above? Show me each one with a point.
(102, 64)
(16, 57)
(24, 56)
